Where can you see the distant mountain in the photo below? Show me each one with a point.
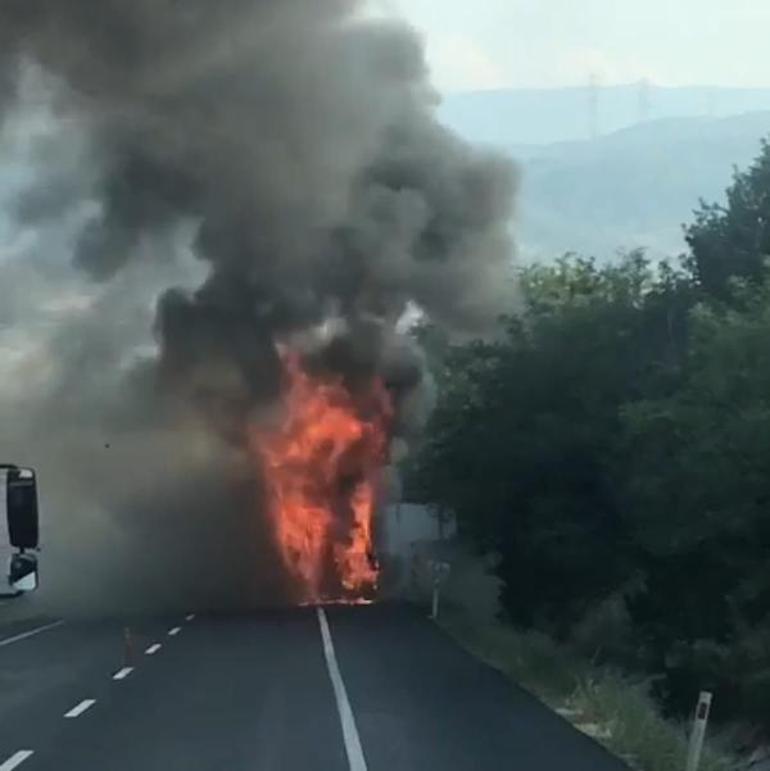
(633, 188)
(541, 116)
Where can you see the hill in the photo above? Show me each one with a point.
(543, 116)
(633, 188)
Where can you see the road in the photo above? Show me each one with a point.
(375, 688)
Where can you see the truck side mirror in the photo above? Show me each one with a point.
(19, 513)
(21, 505)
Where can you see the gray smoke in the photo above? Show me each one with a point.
(285, 155)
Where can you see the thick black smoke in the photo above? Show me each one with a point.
(289, 145)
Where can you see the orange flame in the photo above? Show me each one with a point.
(321, 470)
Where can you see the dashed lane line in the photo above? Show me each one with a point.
(79, 709)
(122, 674)
(154, 648)
(175, 631)
(16, 760)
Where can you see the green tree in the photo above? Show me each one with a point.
(734, 240)
(523, 440)
(697, 502)
(615, 440)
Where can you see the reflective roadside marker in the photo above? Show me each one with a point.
(128, 647)
(440, 571)
(698, 731)
(434, 603)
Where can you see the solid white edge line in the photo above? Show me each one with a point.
(16, 760)
(175, 631)
(353, 748)
(154, 648)
(79, 709)
(30, 633)
(122, 674)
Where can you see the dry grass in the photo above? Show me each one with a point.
(621, 712)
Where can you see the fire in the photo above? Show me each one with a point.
(321, 467)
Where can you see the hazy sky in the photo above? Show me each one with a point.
(497, 43)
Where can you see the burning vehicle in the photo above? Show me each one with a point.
(256, 197)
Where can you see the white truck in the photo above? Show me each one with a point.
(19, 529)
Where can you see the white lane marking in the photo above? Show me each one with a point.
(31, 633)
(154, 648)
(79, 709)
(355, 753)
(16, 760)
(175, 631)
(189, 617)
(122, 674)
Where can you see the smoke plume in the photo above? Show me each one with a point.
(198, 181)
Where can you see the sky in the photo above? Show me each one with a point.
(491, 44)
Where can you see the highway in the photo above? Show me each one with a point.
(375, 688)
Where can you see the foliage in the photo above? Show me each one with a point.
(614, 442)
(523, 441)
(734, 240)
(696, 498)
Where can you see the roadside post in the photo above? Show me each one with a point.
(128, 647)
(698, 731)
(440, 573)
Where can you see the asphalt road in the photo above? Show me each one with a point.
(347, 689)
